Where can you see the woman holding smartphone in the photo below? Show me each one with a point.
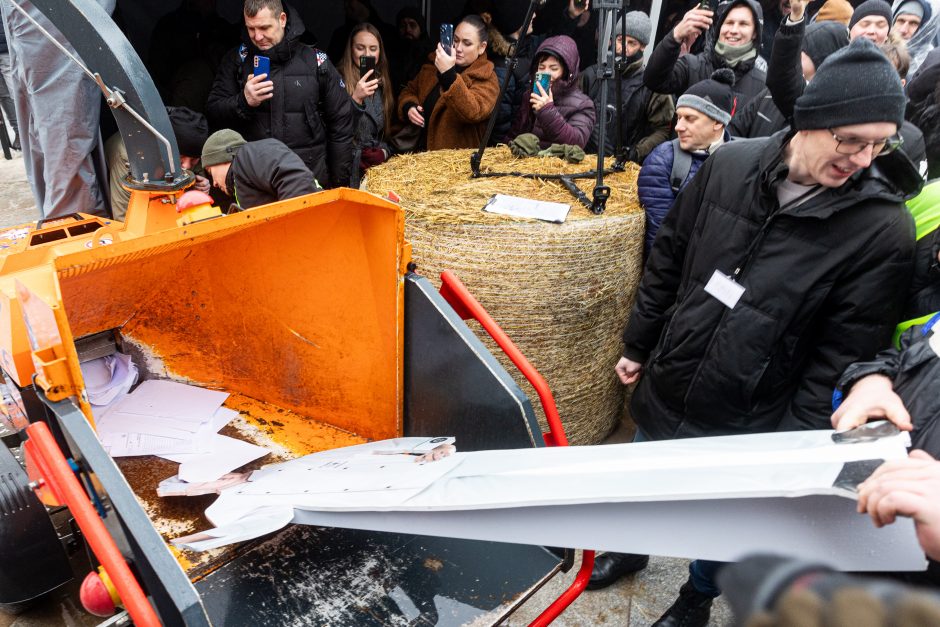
(452, 97)
(558, 112)
(364, 68)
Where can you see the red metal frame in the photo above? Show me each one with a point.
(466, 306)
(57, 476)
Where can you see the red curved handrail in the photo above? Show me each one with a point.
(463, 302)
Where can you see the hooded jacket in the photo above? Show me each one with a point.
(460, 115)
(569, 119)
(824, 282)
(310, 111)
(668, 73)
(925, 38)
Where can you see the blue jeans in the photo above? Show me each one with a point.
(702, 574)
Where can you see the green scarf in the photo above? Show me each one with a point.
(735, 54)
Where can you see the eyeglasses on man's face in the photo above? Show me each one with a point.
(855, 145)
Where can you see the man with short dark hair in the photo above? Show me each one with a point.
(302, 102)
(783, 261)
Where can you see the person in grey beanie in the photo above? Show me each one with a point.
(784, 260)
(872, 20)
(646, 116)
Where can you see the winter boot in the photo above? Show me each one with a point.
(691, 609)
(610, 567)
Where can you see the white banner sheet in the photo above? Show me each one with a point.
(713, 498)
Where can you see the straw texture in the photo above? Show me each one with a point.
(562, 292)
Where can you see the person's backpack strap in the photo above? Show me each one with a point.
(681, 166)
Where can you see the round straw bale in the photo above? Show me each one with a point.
(562, 292)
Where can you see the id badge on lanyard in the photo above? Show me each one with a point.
(725, 289)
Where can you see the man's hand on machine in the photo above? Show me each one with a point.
(628, 371)
(871, 397)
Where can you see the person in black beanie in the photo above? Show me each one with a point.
(784, 260)
(794, 61)
(871, 19)
(410, 49)
(820, 41)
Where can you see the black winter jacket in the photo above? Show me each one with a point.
(914, 369)
(824, 284)
(266, 171)
(310, 111)
(758, 118)
(668, 73)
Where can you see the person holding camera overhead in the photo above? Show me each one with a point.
(732, 40)
(450, 101)
(364, 68)
(558, 112)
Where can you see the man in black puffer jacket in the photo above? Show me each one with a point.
(783, 261)
(733, 40)
(303, 102)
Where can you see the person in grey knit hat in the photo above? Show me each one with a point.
(255, 173)
(714, 97)
(872, 20)
(637, 25)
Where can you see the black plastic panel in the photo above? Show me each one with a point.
(453, 384)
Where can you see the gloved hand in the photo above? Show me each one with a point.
(525, 145)
(371, 157)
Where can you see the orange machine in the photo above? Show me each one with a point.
(297, 309)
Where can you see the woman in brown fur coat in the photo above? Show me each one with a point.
(451, 98)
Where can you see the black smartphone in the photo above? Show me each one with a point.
(706, 5)
(367, 63)
(447, 37)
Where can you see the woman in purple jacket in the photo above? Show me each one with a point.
(563, 114)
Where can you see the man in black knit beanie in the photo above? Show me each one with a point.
(784, 260)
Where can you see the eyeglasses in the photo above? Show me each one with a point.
(853, 146)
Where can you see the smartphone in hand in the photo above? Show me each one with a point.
(706, 5)
(367, 63)
(544, 79)
(447, 38)
(262, 65)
